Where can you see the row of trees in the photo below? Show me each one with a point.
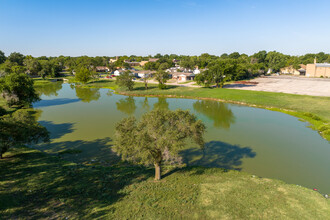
(253, 64)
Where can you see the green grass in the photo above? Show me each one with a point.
(34, 185)
(305, 107)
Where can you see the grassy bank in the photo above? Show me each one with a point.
(313, 109)
(35, 185)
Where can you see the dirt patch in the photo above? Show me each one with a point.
(287, 84)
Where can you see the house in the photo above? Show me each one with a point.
(183, 77)
(318, 69)
(291, 70)
(118, 72)
(153, 59)
(142, 63)
(132, 63)
(143, 73)
(196, 71)
(102, 69)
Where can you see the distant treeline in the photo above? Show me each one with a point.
(244, 66)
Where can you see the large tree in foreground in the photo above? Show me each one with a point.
(20, 128)
(157, 137)
(17, 89)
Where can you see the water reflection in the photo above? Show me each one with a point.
(145, 104)
(88, 94)
(161, 104)
(126, 105)
(218, 112)
(50, 89)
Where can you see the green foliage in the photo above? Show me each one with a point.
(17, 89)
(276, 60)
(20, 128)
(218, 74)
(161, 76)
(2, 57)
(16, 58)
(158, 137)
(125, 80)
(18, 69)
(83, 75)
(32, 65)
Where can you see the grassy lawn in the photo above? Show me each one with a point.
(313, 109)
(35, 185)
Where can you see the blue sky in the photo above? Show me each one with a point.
(143, 27)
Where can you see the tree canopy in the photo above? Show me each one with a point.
(157, 137)
(17, 89)
(20, 128)
(125, 80)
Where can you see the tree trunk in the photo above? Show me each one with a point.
(1, 156)
(146, 86)
(157, 171)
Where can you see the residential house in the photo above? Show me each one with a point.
(132, 63)
(102, 69)
(143, 73)
(118, 72)
(318, 69)
(183, 77)
(153, 59)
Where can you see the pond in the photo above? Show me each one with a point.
(261, 142)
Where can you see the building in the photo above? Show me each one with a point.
(102, 69)
(142, 63)
(297, 72)
(132, 63)
(153, 59)
(183, 77)
(118, 72)
(113, 60)
(318, 69)
(143, 73)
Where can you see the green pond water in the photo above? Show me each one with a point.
(261, 142)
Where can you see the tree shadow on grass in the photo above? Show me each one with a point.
(96, 152)
(40, 186)
(217, 154)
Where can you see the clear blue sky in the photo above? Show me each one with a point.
(143, 27)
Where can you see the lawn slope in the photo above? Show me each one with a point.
(35, 185)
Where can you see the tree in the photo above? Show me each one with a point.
(218, 74)
(161, 76)
(20, 128)
(32, 65)
(18, 69)
(17, 89)
(2, 57)
(146, 78)
(83, 75)
(125, 80)
(157, 137)
(276, 60)
(16, 58)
